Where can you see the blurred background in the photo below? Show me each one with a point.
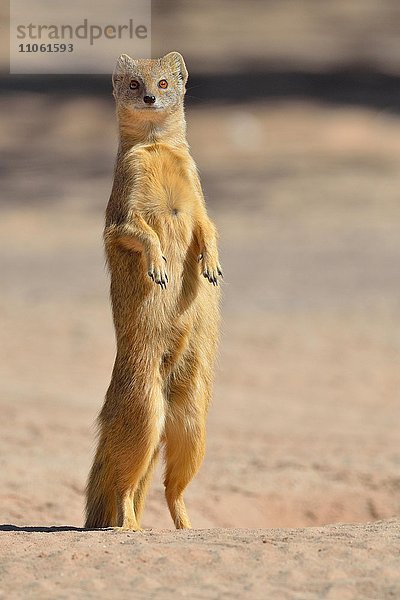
(293, 119)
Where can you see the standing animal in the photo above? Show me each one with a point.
(162, 255)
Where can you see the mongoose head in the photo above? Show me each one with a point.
(149, 86)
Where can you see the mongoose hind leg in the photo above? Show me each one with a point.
(184, 444)
(135, 472)
(127, 520)
(136, 476)
(132, 437)
(138, 496)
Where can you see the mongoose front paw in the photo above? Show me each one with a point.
(157, 272)
(211, 269)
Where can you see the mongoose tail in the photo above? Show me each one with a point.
(101, 501)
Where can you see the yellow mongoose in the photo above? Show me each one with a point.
(159, 244)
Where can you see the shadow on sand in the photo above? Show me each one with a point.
(357, 85)
(40, 529)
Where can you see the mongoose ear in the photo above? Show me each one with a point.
(124, 64)
(175, 60)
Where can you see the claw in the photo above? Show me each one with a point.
(159, 277)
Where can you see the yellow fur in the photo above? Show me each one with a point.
(166, 312)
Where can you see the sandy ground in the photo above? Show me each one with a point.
(350, 561)
(303, 429)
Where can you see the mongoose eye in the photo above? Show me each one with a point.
(134, 84)
(163, 84)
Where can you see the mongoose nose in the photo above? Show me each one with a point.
(149, 99)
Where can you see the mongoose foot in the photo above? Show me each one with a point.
(158, 274)
(211, 269)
